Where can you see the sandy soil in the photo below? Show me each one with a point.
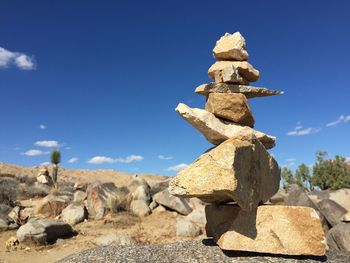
(157, 228)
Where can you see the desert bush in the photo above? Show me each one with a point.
(33, 191)
(122, 201)
(7, 175)
(27, 180)
(8, 190)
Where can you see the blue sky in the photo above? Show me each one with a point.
(102, 78)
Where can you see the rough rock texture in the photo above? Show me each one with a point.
(236, 170)
(140, 208)
(116, 239)
(338, 238)
(279, 197)
(52, 205)
(297, 197)
(229, 74)
(74, 214)
(195, 251)
(40, 231)
(79, 196)
(217, 131)
(332, 211)
(177, 204)
(248, 91)
(341, 197)
(197, 216)
(231, 47)
(102, 197)
(44, 179)
(246, 71)
(142, 193)
(160, 186)
(233, 107)
(269, 229)
(184, 228)
(346, 217)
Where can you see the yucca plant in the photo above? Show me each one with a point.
(55, 160)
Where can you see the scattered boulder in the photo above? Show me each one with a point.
(217, 131)
(12, 244)
(346, 217)
(245, 70)
(74, 214)
(140, 208)
(279, 197)
(248, 91)
(41, 231)
(237, 170)
(231, 47)
(159, 209)
(197, 216)
(160, 186)
(332, 211)
(338, 238)
(15, 214)
(177, 204)
(184, 228)
(115, 239)
(341, 197)
(103, 197)
(233, 107)
(269, 229)
(136, 182)
(142, 193)
(52, 205)
(79, 196)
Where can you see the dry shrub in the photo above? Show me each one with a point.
(8, 190)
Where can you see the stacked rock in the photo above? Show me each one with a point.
(239, 175)
(44, 177)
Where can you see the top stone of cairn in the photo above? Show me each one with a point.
(231, 47)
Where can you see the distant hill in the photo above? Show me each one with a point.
(119, 178)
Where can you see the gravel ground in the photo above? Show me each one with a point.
(189, 252)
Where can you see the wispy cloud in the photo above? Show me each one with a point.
(109, 160)
(48, 144)
(45, 163)
(164, 158)
(68, 148)
(21, 60)
(73, 160)
(42, 126)
(290, 162)
(300, 131)
(341, 119)
(177, 168)
(34, 152)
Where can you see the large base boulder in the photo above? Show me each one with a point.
(41, 232)
(269, 229)
(237, 170)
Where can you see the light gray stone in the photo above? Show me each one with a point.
(140, 208)
(74, 214)
(177, 204)
(184, 228)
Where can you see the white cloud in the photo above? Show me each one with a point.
(164, 158)
(341, 119)
(45, 163)
(177, 168)
(300, 131)
(109, 160)
(42, 126)
(34, 153)
(22, 61)
(73, 160)
(48, 144)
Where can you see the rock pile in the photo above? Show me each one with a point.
(239, 175)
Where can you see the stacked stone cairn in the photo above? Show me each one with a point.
(239, 176)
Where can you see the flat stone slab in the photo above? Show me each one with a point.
(248, 91)
(217, 131)
(289, 230)
(195, 251)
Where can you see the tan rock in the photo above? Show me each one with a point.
(248, 91)
(246, 71)
(217, 131)
(231, 47)
(229, 74)
(269, 229)
(236, 170)
(233, 107)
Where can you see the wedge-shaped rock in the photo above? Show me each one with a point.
(248, 91)
(233, 107)
(237, 170)
(289, 230)
(231, 47)
(229, 74)
(217, 131)
(245, 70)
